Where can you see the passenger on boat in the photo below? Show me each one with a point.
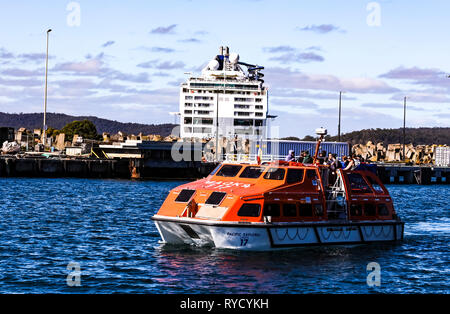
(290, 156)
(307, 159)
(328, 161)
(344, 161)
(333, 164)
(358, 160)
(352, 164)
(300, 158)
(322, 159)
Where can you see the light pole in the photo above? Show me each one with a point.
(339, 123)
(404, 127)
(44, 135)
(175, 114)
(217, 125)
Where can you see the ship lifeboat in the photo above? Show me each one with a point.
(279, 205)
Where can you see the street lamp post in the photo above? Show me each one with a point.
(44, 135)
(217, 125)
(339, 123)
(404, 127)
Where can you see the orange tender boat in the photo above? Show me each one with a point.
(279, 205)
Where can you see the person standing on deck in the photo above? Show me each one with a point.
(290, 156)
(308, 159)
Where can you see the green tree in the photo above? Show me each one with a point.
(309, 138)
(291, 138)
(53, 132)
(84, 128)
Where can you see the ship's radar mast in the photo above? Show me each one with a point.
(227, 65)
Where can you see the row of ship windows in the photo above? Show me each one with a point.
(227, 91)
(257, 107)
(247, 114)
(308, 210)
(226, 86)
(205, 112)
(238, 99)
(236, 113)
(209, 131)
(236, 106)
(236, 122)
(197, 130)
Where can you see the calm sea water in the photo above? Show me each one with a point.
(105, 227)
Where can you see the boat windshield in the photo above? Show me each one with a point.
(295, 175)
(358, 184)
(275, 174)
(377, 188)
(252, 172)
(229, 171)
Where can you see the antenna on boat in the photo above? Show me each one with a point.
(321, 132)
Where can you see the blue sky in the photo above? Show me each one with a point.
(124, 60)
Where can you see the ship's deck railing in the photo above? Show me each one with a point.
(251, 158)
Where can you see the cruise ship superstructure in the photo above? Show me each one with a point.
(228, 99)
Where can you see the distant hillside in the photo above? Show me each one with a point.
(59, 120)
(417, 136)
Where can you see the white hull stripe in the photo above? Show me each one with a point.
(266, 237)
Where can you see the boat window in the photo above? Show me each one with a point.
(383, 210)
(289, 210)
(252, 172)
(294, 175)
(184, 196)
(311, 173)
(305, 210)
(355, 209)
(229, 171)
(249, 210)
(377, 188)
(275, 174)
(318, 209)
(215, 170)
(215, 198)
(369, 210)
(358, 184)
(272, 210)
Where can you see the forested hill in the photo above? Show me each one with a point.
(59, 120)
(417, 136)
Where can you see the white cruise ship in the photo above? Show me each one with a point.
(228, 99)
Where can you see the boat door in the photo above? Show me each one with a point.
(337, 197)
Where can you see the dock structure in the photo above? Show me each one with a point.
(124, 168)
(133, 159)
(414, 174)
(11, 166)
(174, 160)
(147, 168)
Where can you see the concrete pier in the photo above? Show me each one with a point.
(126, 168)
(63, 167)
(403, 174)
(141, 168)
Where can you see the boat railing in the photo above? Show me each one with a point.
(251, 158)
